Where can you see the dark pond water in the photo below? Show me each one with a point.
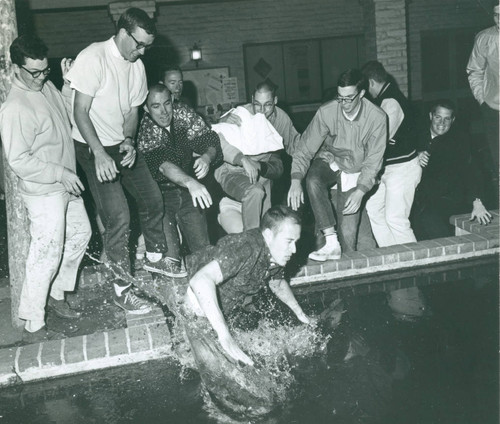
(440, 369)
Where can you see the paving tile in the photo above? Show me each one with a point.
(51, 353)
(95, 346)
(407, 282)
(139, 339)
(344, 264)
(73, 350)
(374, 257)
(376, 287)
(405, 255)
(313, 268)
(359, 260)
(7, 357)
(330, 266)
(28, 357)
(117, 342)
(391, 285)
(160, 335)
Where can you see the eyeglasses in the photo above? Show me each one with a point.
(36, 74)
(347, 100)
(140, 45)
(265, 106)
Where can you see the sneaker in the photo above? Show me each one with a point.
(132, 304)
(62, 309)
(331, 250)
(166, 266)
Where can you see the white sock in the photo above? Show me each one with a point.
(331, 237)
(153, 256)
(120, 289)
(33, 326)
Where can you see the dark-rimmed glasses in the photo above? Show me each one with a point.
(139, 44)
(36, 74)
(346, 99)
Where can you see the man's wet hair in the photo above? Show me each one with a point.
(135, 17)
(352, 77)
(374, 70)
(27, 46)
(274, 217)
(266, 86)
(444, 103)
(158, 88)
(170, 68)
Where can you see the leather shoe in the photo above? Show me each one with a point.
(38, 336)
(62, 309)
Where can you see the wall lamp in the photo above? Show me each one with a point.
(196, 54)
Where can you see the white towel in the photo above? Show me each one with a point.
(254, 136)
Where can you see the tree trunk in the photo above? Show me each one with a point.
(17, 224)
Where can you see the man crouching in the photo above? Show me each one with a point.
(224, 277)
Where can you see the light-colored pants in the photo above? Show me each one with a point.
(389, 207)
(60, 231)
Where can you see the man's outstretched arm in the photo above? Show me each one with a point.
(203, 284)
(284, 293)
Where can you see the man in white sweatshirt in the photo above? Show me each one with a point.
(36, 135)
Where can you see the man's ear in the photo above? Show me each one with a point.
(275, 100)
(145, 107)
(362, 93)
(430, 116)
(268, 235)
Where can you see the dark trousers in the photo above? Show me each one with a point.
(179, 210)
(490, 123)
(319, 181)
(113, 208)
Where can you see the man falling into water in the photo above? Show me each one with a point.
(224, 277)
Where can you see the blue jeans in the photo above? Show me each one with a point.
(113, 209)
(179, 210)
(319, 180)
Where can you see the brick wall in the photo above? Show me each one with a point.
(222, 28)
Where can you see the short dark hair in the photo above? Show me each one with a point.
(170, 68)
(444, 103)
(352, 77)
(135, 17)
(273, 218)
(27, 46)
(374, 70)
(267, 86)
(158, 88)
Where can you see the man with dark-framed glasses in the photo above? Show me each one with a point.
(109, 81)
(346, 141)
(36, 135)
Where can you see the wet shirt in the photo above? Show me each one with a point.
(188, 133)
(245, 262)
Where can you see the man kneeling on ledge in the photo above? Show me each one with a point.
(223, 277)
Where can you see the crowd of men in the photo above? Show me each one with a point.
(371, 176)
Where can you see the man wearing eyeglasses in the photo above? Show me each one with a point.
(244, 186)
(110, 85)
(36, 135)
(346, 142)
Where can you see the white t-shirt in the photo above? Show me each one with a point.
(116, 85)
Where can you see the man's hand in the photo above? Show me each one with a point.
(251, 167)
(105, 167)
(353, 202)
(423, 158)
(480, 213)
(295, 195)
(230, 118)
(128, 148)
(233, 350)
(71, 182)
(201, 166)
(199, 194)
(66, 64)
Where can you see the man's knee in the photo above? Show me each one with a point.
(315, 184)
(254, 192)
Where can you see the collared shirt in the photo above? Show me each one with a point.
(188, 133)
(246, 265)
(483, 68)
(36, 135)
(115, 84)
(355, 146)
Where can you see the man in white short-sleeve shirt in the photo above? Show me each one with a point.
(109, 83)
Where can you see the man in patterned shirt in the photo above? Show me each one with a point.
(224, 277)
(168, 136)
